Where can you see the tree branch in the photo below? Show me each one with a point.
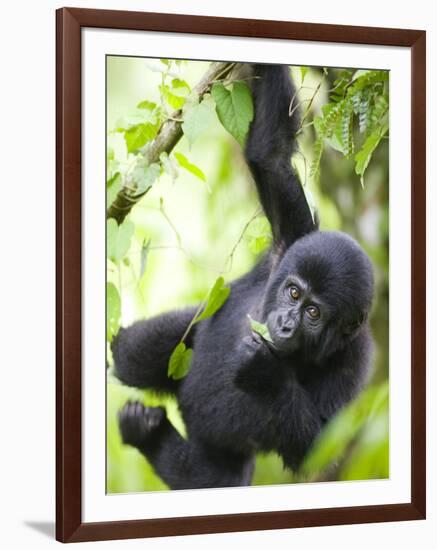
(168, 135)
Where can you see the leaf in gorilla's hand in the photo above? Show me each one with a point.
(113, 311)
(216, 298)
(234, 108)
(260, 329)
(185, 163)
(180, 362)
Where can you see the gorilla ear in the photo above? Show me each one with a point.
(351, 329)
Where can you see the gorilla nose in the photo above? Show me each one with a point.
(286, 326)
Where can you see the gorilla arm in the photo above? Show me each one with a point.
(268, 153)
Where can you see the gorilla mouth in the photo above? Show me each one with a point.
(283, 343)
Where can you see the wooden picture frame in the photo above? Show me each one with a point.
(69, 524)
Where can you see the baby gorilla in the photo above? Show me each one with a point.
(243, 394)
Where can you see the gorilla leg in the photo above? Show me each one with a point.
(181, 464)
(141, 351)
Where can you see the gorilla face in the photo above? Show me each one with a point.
(299, 316)
(320, 296)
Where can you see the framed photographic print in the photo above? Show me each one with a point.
(237, 202)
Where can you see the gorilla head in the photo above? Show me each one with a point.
(320, 295)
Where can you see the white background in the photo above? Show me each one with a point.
(27, 275)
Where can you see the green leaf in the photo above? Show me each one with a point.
(171, 98)
(234, 108)
(364, 111)
(260, 329)
(344, 428)
(340, 85)
(356, 100)
(185, 163)
(118, 238)
(317, 151)
(135, 118)
(169, 165)
(180, 362)
(327, 126)
(346, 122)
(336, 140)
(197, 120)
(359, 73)
(370, 457)
(137, 136)
(216, 298)
(180, 87)
(113, 311)
(144, 177)
(303, 73)
(362, 158)
(150, 105)
(378, 113)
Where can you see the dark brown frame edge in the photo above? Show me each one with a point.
(69, 526)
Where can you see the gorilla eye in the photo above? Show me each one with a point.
(313, 312)
(294, 293)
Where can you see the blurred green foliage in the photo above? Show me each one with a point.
(200, 221)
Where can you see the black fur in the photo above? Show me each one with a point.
(244, 395)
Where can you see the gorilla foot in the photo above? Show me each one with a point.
(138, 423)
